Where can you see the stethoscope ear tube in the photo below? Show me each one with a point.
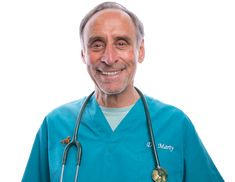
(158, 175)
(80, 117)
(74, 142)
(150, 128)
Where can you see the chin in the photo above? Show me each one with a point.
(112, 90)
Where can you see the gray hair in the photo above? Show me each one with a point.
(113, 5)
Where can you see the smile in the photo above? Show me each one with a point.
(110, 73)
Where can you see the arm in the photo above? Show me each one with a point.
(37, 168)
(198, 166)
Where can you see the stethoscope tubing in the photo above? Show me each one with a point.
(74, 142)
(150, 128)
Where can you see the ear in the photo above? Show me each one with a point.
(141, 52)
(83, 56)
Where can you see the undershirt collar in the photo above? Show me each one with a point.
(114, 116)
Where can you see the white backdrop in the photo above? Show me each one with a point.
(190, 50)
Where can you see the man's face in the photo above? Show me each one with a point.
(111, 51)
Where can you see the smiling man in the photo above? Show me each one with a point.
(109, 135)
(111, 50)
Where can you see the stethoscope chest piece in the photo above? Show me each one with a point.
(159, 175)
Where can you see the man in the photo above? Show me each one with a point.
(114, 134)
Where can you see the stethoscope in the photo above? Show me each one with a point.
(158, 175)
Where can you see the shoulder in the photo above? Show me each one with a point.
(158, 105)
(167, 112)
(65, 112)
(67, 107)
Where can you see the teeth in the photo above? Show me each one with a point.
(110, 73)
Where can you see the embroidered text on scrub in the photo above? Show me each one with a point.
(165, 147)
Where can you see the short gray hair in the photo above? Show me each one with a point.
(113, 5)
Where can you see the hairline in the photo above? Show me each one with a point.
(139, 29)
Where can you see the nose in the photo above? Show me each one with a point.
(109, 56)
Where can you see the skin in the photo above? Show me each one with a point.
(111, 52)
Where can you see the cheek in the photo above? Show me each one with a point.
(132, 58)
(92, 58)
(129, 55)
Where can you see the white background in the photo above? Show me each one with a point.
(190, 54)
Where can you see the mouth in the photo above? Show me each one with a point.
(111, 72)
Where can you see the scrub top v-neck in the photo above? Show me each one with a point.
(124, 154)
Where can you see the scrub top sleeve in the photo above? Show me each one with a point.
(37, 168)
(198, 166)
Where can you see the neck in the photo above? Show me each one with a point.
(123, 99)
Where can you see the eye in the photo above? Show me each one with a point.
(121, 44)
(97, 45)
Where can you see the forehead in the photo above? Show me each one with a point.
(111, 21)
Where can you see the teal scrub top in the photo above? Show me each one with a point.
(124, 154)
